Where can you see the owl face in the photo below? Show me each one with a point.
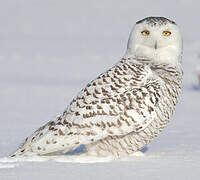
(156, 39)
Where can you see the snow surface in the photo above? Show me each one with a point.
(50, 49)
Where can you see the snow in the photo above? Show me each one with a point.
(49, 50)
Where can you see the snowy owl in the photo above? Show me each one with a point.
(123, 109)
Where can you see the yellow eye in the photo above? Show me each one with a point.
(166, 33)
(145, 33)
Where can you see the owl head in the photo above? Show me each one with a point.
(155, 39)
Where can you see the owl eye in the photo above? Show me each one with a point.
(145, 33)
(166, 33)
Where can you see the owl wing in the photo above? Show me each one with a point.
(118, 102)
(116, 114)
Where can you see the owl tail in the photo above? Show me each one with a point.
(22, 153)
(27, 152)
(53, 137)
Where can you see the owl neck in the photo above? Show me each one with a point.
(165, 70)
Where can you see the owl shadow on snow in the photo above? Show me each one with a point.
(81, 149)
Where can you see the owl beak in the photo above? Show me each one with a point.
(156, 45)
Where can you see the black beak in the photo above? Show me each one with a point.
(156, 46)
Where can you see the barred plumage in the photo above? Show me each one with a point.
(123, 109)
